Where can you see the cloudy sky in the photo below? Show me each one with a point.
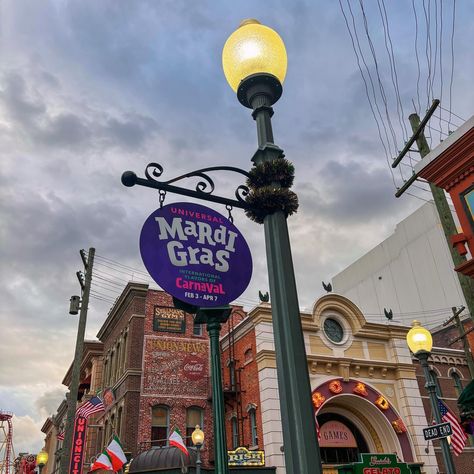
(89, 89)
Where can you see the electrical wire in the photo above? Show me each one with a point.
(377, 72)
(353, 42)
(445, 121)
(393, 67)
(452, 113)
(417, 57)
(452, 65)
(441, 60)
(118, 264)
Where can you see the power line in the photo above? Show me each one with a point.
(441, 59)
(452, 113)
(393, 68)
(118, 264)
(452, 64)
(366, 85)
(381, 88)
(417, 58)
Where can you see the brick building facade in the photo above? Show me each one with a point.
(450, 373)
(152, 368)
(175, 386)
(241, 388)
(122, 336)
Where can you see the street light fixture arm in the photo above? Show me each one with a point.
(204, 188)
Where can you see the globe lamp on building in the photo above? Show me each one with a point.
(41, 460)
(420, 342)
(198, 440)
(419, 339)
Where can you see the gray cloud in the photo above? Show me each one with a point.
(90, 89)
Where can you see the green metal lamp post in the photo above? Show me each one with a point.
(213, 318)
(254, 61)
(420, 342)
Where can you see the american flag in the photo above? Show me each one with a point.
(94, 405)
(458, 438)
(60, 436)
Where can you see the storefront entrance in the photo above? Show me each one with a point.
(340, 440)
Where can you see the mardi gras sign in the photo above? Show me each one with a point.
(196, 254)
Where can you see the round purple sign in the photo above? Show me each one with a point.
(196, 254)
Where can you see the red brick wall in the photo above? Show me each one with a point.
(175, 373)
(126, 389)
(464, 463)
(444, 336)
(249, 393)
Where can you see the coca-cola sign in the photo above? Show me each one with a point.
(193, 367)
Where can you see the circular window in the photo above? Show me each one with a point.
(333, 330)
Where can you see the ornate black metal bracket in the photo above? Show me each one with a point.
(204, 188)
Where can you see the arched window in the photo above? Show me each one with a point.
(457, 382)
(159, 425)
(248, 356)
(235, 433)
(119, 362)
(105, 441)
(253, 427)
(124, 351)
(434, 378)
(194, 416)
(232, 374)
(119, 421)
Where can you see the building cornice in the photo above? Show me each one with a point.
(131, 291)
(91, 349)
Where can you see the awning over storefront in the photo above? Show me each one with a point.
(170, 460)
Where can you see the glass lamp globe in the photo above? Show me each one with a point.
(42, 458)
(198, 436)
(253, 48)
(419, 338)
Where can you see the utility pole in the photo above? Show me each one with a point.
(446, 218)
(462, 336)
(85, 283)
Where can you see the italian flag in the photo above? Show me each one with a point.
(176, 440)
(115, 453)
(102, 462)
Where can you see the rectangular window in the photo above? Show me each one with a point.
(197, 330)
(235, 433)
(159, 426)
(194, 416)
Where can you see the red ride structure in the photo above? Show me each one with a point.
(6, 441)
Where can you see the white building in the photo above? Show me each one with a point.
(411, 273)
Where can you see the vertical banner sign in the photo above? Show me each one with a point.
(78, 445)
(196, 254)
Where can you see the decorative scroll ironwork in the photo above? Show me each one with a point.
(204, 188)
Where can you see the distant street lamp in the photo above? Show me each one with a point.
(420, 342)
(198, 440)
(41, 460)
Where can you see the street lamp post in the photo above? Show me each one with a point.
(420, 342)
(213, 318)
(198, 440)
(41, 460)
(254, 61)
